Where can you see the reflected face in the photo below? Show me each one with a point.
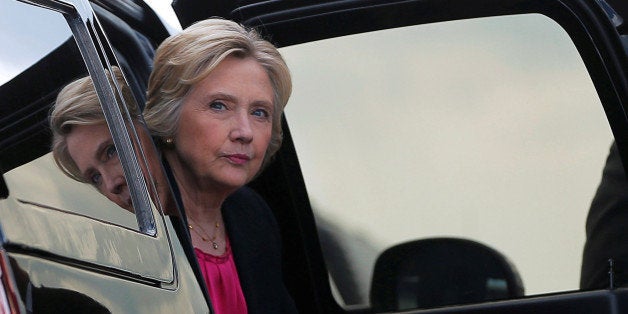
(92, 149)
(225, 126)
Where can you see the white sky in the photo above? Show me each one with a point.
(25, 50)
(489, 130)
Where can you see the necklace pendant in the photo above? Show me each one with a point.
(202, 236)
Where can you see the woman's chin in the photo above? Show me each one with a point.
(236, 176)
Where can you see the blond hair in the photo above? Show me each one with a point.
(187, 58)
(78, 104)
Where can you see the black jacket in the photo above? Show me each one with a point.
(256, 244)
(607, 229)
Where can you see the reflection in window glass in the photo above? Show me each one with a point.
(485, 129)
(18, 51)
(35, 75)
(40, 182)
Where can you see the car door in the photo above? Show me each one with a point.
(482, 120)
(67, 247)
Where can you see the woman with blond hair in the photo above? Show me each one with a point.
(215, 100)
(83, 148)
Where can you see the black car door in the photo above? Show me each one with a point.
(481, 120)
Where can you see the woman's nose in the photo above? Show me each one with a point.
(114, 184)
(241, 130)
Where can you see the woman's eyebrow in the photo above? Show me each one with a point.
(101, 148)
(263, 103)
(220, 95)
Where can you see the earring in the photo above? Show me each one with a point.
(169, 142)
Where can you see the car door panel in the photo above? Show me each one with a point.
(58, 285)
(84, 239)
(71, 249)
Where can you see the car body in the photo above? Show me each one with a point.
(67, 249)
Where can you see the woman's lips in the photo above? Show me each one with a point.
(238, 159)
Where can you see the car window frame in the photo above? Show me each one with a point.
(588, 26)
(132, 254)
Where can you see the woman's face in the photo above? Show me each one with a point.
(92, 149)
(225, 125)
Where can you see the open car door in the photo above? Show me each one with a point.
(65, 247)
(485, 120)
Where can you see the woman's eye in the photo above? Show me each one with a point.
(95, 179)
(261, 113)
(111, 151)
(216, 105)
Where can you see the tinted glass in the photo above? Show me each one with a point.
(487, 129)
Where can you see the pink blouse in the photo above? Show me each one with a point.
(221, 278)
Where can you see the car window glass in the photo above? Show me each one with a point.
(38, 59)
(486, 129)
(24, 44)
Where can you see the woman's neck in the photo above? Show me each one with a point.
(202, 201)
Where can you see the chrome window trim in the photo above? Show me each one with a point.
(88, 33)
(144, 256)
